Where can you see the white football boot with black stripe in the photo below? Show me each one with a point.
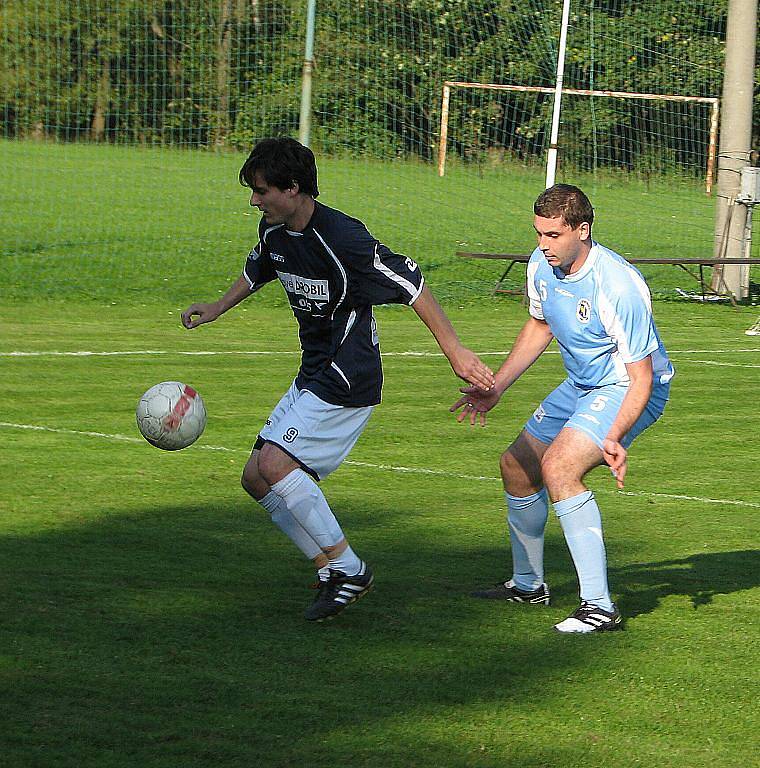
(338, 592)
(590, 618)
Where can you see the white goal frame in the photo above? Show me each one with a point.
(713, 102)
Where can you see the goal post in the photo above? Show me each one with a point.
(713, 103)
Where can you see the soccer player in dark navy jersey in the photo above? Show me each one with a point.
(333, 272)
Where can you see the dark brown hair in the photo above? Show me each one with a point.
(566, 201)
(281, 162)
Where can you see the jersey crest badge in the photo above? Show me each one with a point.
(583, 311)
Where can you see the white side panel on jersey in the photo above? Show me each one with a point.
(340, 268)
(614, 327)
(410, 288)
(341, 374)
(642, 287)
(535, 308)
(349, 325)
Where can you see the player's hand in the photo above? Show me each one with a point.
(468, 366)
(197, 314)
(617, 458)
(475, 403)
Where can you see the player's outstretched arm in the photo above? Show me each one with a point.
(634, 402)
(464, 362)
(532, 340)
(197, 314)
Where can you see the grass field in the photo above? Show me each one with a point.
(107, 223)
(152, 616)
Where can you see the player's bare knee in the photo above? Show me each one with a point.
(251, 480)
(274, 464)
(252, 484)
(551, 467)
(520, 478)
(508, 466)
(558, 475)
(267, 473)
(246, 484)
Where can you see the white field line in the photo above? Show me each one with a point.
(104, 435)
(723, 365)
(379, 467)
(295, 353)
(253, 353)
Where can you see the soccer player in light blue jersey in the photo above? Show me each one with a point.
(598, 308)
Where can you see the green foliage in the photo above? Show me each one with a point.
(227, 73)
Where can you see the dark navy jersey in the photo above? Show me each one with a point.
(333, 273)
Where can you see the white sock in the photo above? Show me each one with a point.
(527, 519)
(305, 501)
(347, 562)
(323, 573)
(281, 517)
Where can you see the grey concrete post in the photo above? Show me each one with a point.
(735, 145)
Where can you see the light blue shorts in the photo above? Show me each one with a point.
(316, 434)
(592, 411)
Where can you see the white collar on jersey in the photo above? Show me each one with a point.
(588, 265)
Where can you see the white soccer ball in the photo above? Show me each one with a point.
(171, 415)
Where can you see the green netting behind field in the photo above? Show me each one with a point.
(115, 223)
(122, 126)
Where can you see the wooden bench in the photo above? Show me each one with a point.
(687, 264)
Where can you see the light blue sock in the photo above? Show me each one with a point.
(582, 525)
(526, 520)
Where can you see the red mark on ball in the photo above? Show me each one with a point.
(173, 421)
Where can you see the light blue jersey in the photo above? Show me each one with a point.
(601, 317)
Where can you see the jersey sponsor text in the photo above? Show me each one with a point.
(304, 286)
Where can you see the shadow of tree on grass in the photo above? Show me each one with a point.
(177, 635)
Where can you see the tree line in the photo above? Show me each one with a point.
(223, 73)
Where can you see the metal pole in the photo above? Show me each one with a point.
(444, 129)
(304, 123)
(735, 142)
(714, 116)
(551, 160)
(744, 274)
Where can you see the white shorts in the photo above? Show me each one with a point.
(316, 434)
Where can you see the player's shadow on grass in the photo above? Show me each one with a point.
(640, 587)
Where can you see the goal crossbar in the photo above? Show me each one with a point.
(712, 101)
